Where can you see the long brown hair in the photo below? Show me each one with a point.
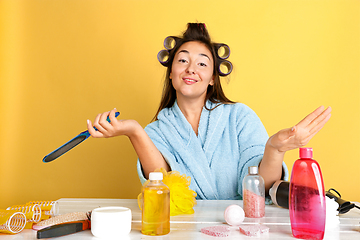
(194, 32)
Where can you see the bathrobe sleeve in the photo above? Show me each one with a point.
(160, 142)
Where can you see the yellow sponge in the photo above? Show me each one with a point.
(182, 198)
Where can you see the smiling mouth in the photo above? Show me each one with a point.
(189, 80)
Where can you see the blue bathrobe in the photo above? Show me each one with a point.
(230, 139)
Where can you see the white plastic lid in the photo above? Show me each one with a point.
(253, 170)
(155, 176)
(111, 222)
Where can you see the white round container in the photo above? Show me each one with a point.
(110, 222)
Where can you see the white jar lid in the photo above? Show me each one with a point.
(110, 222)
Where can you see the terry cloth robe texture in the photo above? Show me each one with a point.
(230, 139)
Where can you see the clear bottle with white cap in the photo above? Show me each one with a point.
(155, 218)
(253, 194)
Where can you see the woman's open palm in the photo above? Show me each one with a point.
(299, 135)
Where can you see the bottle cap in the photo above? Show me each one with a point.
(155, 176)
(253, 170)
(306, 152)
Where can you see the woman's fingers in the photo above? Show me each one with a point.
(313, 122)
(320, 121)
(102, 124)
(310, 118)
(318, 127)
(100, 130)
(112, 117)
(92, 131)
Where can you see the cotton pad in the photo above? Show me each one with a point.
(234, 215)
(253, 230)
(217, 231)
(332, 218)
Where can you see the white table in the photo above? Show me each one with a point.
(207, 213)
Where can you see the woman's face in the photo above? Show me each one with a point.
(192, 71)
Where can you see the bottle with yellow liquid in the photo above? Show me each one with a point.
(155, 206)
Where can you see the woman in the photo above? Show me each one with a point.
(201, 133)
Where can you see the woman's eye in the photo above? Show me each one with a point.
(203, 64)
(182, 60)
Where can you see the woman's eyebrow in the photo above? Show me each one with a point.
(201, 54)
(184, 51)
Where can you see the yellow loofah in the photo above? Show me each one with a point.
(182, 198)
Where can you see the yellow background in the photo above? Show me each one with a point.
(64, 61)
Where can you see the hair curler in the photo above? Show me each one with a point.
(12, 221)
(163, 57)
(170, 42)
(48, 208)
(31, 211)
(222, 50)
(225, 68)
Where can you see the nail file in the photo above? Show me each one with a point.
(70, 144)
(63, 229)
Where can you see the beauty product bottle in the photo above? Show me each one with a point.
(307, 198)
(156, 206)
(253, 194)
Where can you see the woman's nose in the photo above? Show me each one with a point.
(191, 69)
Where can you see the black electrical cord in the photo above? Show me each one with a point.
(344, 206)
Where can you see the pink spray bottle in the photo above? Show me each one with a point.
(307, 198)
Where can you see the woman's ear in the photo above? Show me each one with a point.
(211, 83)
